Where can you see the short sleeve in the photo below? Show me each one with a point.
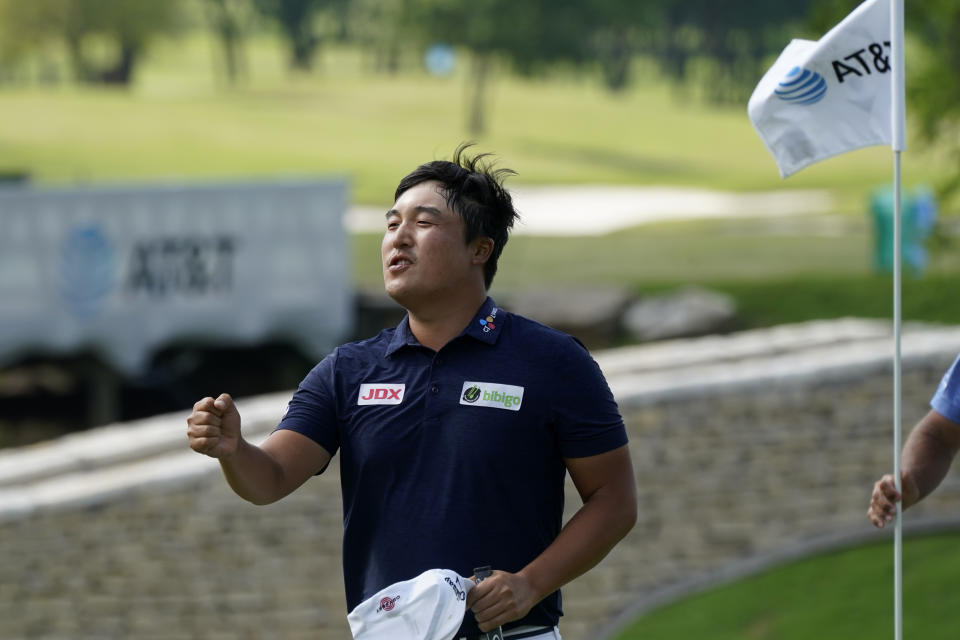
(586, 415)
(946, 400)
(313, 409)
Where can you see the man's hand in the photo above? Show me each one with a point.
(930, 449)
(885, 497)
(214, 427)
(501, 598)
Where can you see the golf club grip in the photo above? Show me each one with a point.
(480, 574)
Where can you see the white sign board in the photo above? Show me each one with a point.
(125, 271)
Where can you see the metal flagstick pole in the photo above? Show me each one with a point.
(898, 143)
(898, 528)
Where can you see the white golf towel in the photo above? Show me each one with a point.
(428, 607)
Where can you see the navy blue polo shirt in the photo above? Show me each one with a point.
(454, 459)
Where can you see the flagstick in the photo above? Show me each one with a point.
(898, 528)
(898, 125)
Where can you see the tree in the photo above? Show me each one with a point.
(471, 26)
(227, 19)
(129, 24)
(616, 32)
(126, 25)
(722, 46)
(382, 28)
(932, 89)
(23, 29)
(298, 20)
(531, 36)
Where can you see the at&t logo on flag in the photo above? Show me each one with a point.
(802, 86)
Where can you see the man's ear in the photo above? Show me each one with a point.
(482, 250)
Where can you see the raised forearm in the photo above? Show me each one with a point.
(253, 474)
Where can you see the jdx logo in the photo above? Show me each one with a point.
(381, 393)
(490, 394)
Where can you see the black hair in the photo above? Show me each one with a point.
(473, 189)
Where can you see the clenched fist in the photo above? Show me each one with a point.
(214, 427)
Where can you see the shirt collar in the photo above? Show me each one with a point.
(486, 327)
(402, 337)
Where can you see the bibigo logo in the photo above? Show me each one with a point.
(472, 394)
(491, 394)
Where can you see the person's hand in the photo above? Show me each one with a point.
(501, 598)
(213, 428)
(884, 498)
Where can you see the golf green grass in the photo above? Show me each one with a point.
(847, 594)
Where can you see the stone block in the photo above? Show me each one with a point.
(685, 313)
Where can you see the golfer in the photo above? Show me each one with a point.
(927, 454)
(455, 428)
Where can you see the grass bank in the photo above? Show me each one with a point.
(847, 594)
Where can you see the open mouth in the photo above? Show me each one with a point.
(399, 263)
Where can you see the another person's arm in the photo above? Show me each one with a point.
(926, 458)
(607, 485)
(260, 474)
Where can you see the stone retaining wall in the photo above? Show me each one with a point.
(745, 446)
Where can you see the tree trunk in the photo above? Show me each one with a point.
(233, 55)
(122, 72)
(303, 47)
(616, 61)
(230, 34)
(81, 70)
(479, 69)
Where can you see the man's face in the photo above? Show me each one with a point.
(424, 252)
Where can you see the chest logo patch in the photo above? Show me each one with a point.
(381, 393)
(491, 394)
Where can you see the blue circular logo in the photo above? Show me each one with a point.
(86, 268)
(802, 86)
(440, 59)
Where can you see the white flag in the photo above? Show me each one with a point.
(823, 98)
